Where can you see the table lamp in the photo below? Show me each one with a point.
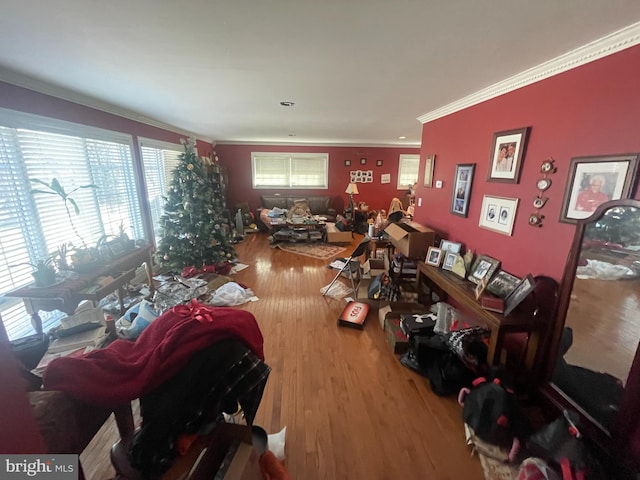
(352, 189)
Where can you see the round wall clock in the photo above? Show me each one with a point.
(543, 184)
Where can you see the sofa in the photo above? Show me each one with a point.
(318, 204)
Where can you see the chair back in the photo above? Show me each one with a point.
(361, 248)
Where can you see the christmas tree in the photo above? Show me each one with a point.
(194, 227)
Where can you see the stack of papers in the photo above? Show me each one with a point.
(89, 338)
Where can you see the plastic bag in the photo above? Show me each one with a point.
(135, 320)
(230, 294)
(276, 442)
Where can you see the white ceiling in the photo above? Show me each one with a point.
(359, 71)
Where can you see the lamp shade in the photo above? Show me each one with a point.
(352, 189)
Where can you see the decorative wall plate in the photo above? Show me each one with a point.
(548, 166)
(535, 220)
(543, 184)
(539, 201)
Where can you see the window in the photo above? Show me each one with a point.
(159, 160)
(408, 168)
(32, 226)
(289, 170)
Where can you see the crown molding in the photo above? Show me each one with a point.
(24, 81)
(608, 45)
(320, 144)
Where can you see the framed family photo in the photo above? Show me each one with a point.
(524, 288)
(483, 269)
(507, 155)
(430, 161)
(450, 246)
(593, 181)
(449, 260)
(498, 214)
(462, 189)
(502, 284)
(434, 256)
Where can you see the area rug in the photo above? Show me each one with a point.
(320, 251)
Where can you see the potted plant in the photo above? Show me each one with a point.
(43, 273)
(84, 259)
(56, 189)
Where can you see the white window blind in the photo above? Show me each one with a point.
(289, 170)
(408, 168)
(159, 160)
(32, 226)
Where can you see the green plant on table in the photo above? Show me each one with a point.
(56, 189)
(44, 272)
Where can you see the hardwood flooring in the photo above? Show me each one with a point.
(351, 410)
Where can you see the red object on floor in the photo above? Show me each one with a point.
(271, 468)
(354, 315)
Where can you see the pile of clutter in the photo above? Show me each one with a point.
(171, 291)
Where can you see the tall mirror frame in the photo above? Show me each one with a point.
(619, 433)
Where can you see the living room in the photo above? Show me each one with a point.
(585, 111)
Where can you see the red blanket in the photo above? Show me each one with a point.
(127, 370)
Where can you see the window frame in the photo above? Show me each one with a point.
(403, 158)
(291, 157)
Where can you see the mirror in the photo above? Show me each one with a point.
(596, 344)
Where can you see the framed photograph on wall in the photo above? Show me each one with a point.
(593, 181)
(462, 189)
(430, 161)
(507, 155)
(498, 214)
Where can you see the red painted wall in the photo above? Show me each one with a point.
(591, 110)
(24, 100)
(237, 160)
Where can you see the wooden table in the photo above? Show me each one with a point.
(447, 284)
(67, 295)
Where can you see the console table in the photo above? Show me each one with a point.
(66, 295)
(447, 284)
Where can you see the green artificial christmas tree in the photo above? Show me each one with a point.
(194, 226)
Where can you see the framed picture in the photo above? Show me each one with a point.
(498, 214)
(524, 288)
(483, 268)
(434, 256)
(507, 155)
(595, 180)
(430, 161)
(502, 284)
(385, 178)
(347, 163)
(449, 260)
(363, 161)
(462, 189)
(482, 284)
(450, 246)
(378, 163)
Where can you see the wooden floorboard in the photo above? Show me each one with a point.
(351, 410)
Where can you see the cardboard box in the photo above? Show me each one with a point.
(398, 307)
(395, 336)
(336, 236)
(411, 239)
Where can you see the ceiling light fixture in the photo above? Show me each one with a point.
(402, 137)
(287, 104)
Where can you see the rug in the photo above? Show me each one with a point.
(320, 251)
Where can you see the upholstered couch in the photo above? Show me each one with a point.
(318, 204)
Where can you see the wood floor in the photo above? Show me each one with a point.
(352, 411)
